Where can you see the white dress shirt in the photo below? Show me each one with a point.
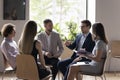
(82, 40)
(48, 39)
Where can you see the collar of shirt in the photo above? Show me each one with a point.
(9, 40)
(47, 34)
(85, 35)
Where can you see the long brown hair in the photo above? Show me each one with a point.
(27, 37)
(98, 29)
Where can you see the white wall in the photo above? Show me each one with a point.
(108, 12)
(19, 23)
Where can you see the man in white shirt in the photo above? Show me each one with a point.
(82, 41)
(51, 45)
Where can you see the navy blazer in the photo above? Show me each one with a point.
(88, 44)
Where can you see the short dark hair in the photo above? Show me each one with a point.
(7, 29)
(87, 22)
(47, 21)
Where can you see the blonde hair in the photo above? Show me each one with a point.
(27, 37)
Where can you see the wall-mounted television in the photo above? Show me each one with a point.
(14, 9)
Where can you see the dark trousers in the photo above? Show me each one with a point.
(43, 73)
(53, 62)
(63, 66)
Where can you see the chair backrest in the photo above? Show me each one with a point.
(105, 63)
(26, 67)
(115, 48)
(107, 59)
(66, 53)
(2, 65)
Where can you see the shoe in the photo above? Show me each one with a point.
(47, 77)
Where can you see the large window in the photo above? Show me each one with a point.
(65, 14)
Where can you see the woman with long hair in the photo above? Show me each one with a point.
(98, 56)
(27, 45)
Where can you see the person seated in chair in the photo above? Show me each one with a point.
(51, 46)
(8, 46)
(82, 41)
(98, 55)
(28, 45)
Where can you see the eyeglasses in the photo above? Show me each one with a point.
(82, 26)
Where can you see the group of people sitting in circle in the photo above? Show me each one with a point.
(90, 48)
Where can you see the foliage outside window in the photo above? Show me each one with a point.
(65, 14)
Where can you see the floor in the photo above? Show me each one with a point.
(109, 76)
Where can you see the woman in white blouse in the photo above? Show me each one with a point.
(8, 46)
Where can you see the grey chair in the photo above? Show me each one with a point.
(102, 73)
